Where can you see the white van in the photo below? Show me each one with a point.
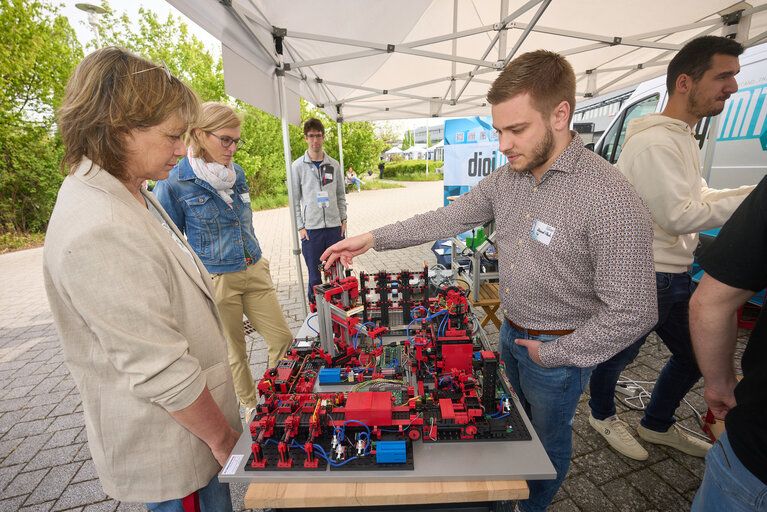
(738, 155)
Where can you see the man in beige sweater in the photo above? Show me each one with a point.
(661, 158)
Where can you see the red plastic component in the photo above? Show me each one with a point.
(370, 407)
(446, 407)
(457, 356)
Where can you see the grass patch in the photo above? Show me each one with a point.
(270, 202)
(377, 185)
(19, 241)
(418, 176)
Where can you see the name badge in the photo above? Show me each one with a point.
(245, 197)
(328, 177)
(542, 232)
(323, 201)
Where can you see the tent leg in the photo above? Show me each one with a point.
(291, 199)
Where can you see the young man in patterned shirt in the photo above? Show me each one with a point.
(575, 251)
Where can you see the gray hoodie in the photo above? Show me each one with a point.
(308, 182)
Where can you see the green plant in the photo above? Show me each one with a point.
(410, 167)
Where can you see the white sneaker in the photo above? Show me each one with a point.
(249, 413)
(616, 433)
(677, 438)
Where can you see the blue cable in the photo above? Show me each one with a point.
(309, 326)
(354, 341)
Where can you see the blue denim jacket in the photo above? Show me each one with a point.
(215, 230)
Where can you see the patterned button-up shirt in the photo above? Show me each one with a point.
(574, 252)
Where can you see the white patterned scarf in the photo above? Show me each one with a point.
(219, 176)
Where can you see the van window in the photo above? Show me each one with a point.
(611, 148)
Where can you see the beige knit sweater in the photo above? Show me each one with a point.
(661, 158)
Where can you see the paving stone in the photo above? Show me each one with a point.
(26, 449)
(657, 492)
(675, 475)
(63, 437)
(28, 428)
(87, 472)
(23, 484)
(67, 406)
(13, 404)
(38, 413)
(56, 481)
(40, 507)
(602, 465)
(104, 506)
(8, 473)
(84, 453)
(68, 421)
(125, 506)
(46, 385)
(18, 392)
(53, 457)
(12, 504)
(26, 379)
(585, 494)
(80, 495)
(49, 398)
(624, 497)
(566, 505)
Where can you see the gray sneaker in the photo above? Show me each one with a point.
(616, 433)
(677, 438)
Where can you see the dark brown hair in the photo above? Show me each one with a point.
(313, 124)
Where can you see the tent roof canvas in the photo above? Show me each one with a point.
(423, 58)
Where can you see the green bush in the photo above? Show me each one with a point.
(410, 167)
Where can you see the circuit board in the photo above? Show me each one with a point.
(395, 362)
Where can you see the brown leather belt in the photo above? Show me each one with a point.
(535, 332)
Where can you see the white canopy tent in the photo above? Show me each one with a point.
(426, 58)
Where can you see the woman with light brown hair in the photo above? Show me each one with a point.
(132, 304)
(208, 198)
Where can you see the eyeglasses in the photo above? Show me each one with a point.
(315, 135)
(162, 66)
(228, 141)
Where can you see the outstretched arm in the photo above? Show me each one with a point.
(347, 249)
(713, 329)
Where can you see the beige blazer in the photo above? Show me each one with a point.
(141, 336)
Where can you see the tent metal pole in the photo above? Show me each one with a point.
(340, 120)
(280, 72)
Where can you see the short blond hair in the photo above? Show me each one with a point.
(546, 76)
(111, 93)
(215, 116)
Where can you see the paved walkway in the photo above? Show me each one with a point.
(45, 464)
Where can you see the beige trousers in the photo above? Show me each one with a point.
(251, 292)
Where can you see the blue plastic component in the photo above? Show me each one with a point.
(330, 375)
(391, 451)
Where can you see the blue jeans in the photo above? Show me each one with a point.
(727, 484)
(549, 397)
(679, 374)
(312, 249)
(214, 497)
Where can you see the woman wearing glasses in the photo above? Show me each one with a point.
(208, 199)
(133, 306)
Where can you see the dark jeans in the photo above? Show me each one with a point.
(681, 371)
(312, 249)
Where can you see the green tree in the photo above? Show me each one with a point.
(170, 41)
(38, 51)
(407, 140)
